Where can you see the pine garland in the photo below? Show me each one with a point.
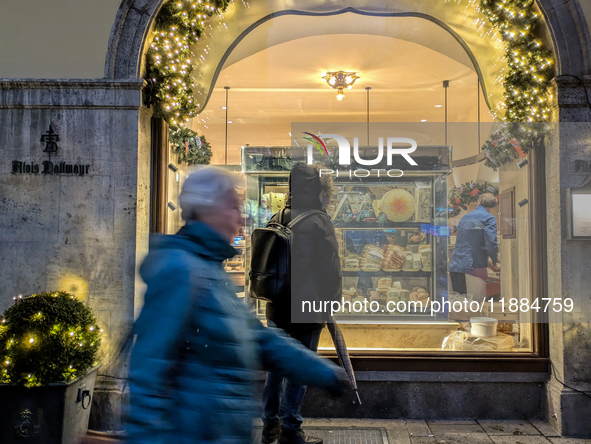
(526, 80)
(179, 25)
(460, 197)
(190, 147)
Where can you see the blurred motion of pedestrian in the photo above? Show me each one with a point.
(192, 372)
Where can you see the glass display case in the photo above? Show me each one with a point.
(392, 231)
(235, 266)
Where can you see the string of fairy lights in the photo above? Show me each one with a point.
(45, 338)
(179, 25)
(525, 69)
(528, 64)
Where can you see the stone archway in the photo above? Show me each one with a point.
(571, 41)
(567, 28)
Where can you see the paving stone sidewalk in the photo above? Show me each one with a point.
(368, 431)
(417, 431)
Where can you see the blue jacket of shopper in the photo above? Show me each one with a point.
(197, 348)
(476, 241)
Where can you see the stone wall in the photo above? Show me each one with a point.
(569, 262)
(83, 234)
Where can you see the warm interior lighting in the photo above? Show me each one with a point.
(340, 80)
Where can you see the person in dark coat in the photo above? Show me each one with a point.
(476, 242)
(193, 366)
(315, 277)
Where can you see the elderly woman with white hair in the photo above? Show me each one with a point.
(192, 373)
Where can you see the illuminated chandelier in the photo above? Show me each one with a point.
(339, 80)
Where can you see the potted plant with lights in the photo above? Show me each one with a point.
(49, 346)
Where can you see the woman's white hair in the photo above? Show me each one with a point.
(205, 189)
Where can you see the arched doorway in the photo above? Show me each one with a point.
(127, 48)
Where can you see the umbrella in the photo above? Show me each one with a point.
(343, 354)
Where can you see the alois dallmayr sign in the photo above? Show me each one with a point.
(47, 166)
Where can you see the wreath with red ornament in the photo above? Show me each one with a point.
(460, 197)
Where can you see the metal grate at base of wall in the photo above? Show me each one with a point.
(339, 435)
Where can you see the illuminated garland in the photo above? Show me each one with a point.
(178, 26)
(47, 338)
(460, 197)
(529, 67)
(529, 71)
(190, 147)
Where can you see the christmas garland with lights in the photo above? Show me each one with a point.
(460, 197)
(179, 25)
(190, 147)
(47, 338)
(529, 71)
(181, 22)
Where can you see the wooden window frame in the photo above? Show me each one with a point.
(507, 214)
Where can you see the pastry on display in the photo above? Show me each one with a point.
(394, 258)
(351, 263)
(372, 258)
(416, 261)
(393, 294)
(425, 253)
(419, 294)
(381, 300)
(398, 205)
(384, 283)
(407, 266)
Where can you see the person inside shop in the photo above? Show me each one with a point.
(476, 243)
(315, 275)
(197, 349)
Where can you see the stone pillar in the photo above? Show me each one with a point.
(82, 229)
(569, 262)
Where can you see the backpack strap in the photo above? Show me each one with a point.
(302, 216)
(280, 216)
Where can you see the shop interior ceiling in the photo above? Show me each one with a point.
(275, 76)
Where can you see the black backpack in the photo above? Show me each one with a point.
(270, 259)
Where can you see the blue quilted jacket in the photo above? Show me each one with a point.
(197, 348)
(476, 241)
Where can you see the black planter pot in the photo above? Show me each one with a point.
(50, 414)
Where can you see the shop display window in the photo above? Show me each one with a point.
(396, 238)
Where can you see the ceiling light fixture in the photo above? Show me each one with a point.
(423, 120)
(340, 80)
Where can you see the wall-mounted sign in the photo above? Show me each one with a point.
(47, 166)
(50, 138)
(578, 212)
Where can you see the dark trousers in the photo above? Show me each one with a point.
(458, 282)
(282, 399)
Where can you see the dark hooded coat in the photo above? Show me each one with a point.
(315, 263)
